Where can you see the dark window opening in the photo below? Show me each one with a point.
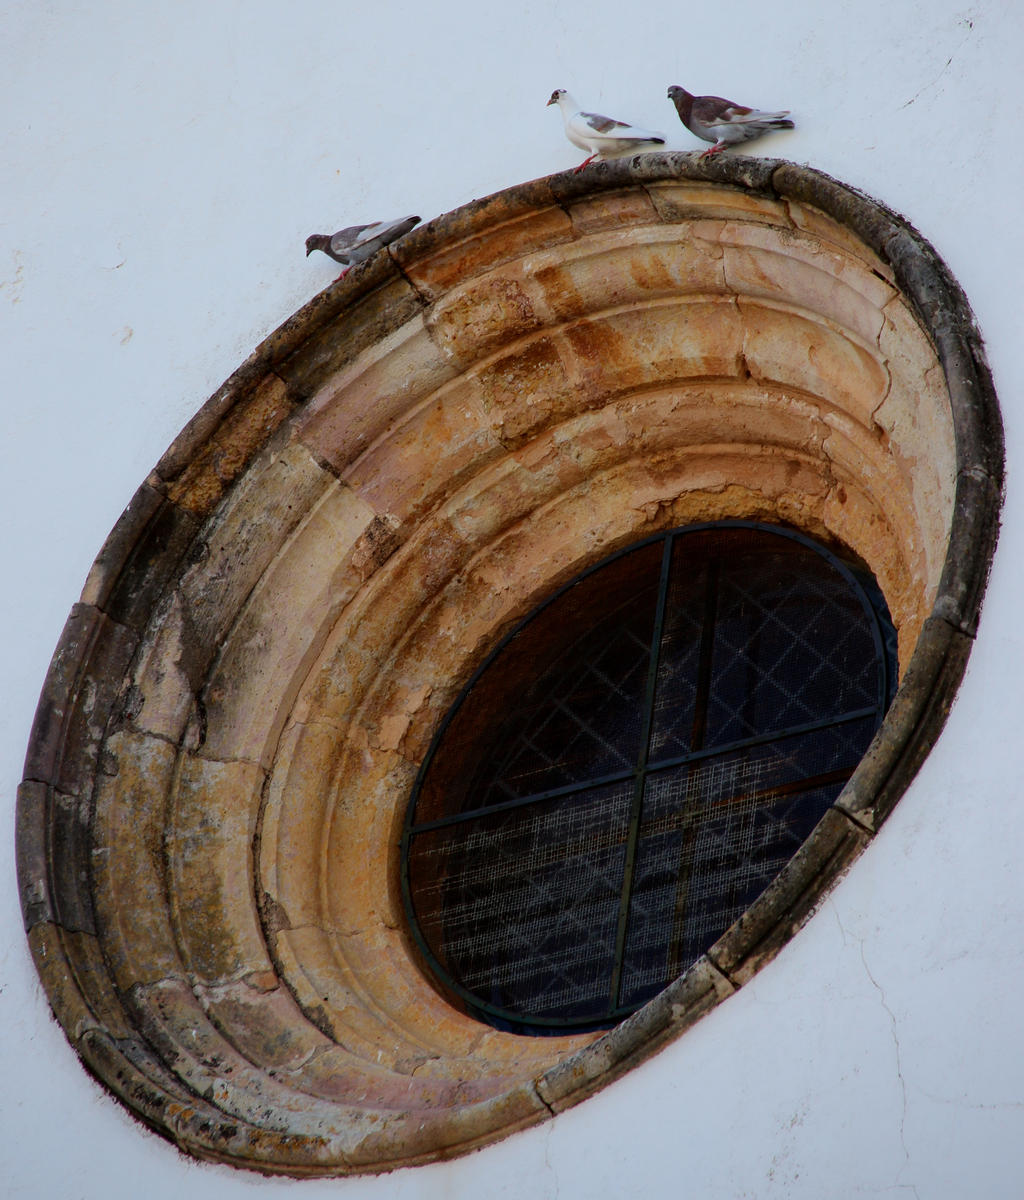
(633, 766)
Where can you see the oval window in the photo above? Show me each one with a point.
(634, 765)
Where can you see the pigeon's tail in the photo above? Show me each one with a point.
(775, 120)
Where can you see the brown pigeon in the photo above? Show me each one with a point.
(358, 242)
(602, 136)
(723, 122)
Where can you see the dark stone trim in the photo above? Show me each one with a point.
(790, 899)
(140, 557)
(77, 700)
(911, 726)
(637, 1038)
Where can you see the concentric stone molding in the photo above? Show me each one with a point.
(226, 741)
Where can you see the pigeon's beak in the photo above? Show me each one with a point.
(550, 102)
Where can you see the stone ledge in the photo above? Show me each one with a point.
(790, 899)
(636, 1038)
(915, 718)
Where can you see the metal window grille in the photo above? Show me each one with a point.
(634, 765)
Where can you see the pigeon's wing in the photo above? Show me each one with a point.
(383, 232)
(603, 125)
(598, 128)
(716, 110)
(397, 228)
(346, 239)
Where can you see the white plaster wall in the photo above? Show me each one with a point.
(162, 166)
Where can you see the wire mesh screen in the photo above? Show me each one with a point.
(634, 766)
(539, 942)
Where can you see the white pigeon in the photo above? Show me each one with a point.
(604, 137)
(358, 242)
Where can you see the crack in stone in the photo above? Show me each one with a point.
(423, 298)
(316, 722)
(883, 359)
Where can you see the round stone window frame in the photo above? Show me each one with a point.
(209, 820)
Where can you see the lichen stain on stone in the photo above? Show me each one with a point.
(375, 546)
(651, 273)
(558, 291)
(526, 389)
(482, 316)
(242, 432)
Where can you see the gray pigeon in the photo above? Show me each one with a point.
(723, 122)
(359, 242)
(602, 136)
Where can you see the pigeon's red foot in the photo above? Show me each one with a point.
(343, 274)
(717, 148)
(584, 163)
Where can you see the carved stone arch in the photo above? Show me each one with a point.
(226, 741)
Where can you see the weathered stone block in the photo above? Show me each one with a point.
(267, 1027)
(832, 285)
(797, 352)
(636, 348)
(357, 405)
(72, 970)
(618, 268)
(482, 315)
(283, 623)
(459, 1130)
(823, 228)
(243, 430)
(916, 418)
(139, 558)
(682, 200)
(78, 699)
(356, 327)
(916, 715)
(298, 802)
(526, 389)
(394, 476)
(209, 847)
(612, 210)
(245, 535)
(493, 233)
(971, 545)
(32, 847)
(167, 674)
(208, 1065)
(128, 864)
(867, 220)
